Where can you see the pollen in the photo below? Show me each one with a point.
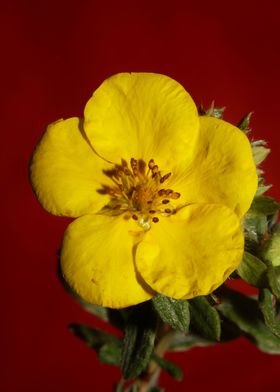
(138, 190)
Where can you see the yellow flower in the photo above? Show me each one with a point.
(159, 192)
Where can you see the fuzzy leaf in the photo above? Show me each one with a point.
(139, 339)
(245, 313)
(267, 304)
(93, 337)
(204, 318)
(264, 205)
(169, 367)
(244, 124)
(182, 342)
(271, 250)
(173, 312)
(110, 353)
(252, 270)
(260, 153)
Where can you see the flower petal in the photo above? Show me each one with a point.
(223, 170)
(144, 116)
(192, 252)
(65, 171)
(97, 260)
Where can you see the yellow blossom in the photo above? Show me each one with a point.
(158, 192)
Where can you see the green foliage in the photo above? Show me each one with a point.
(205, 319)
(173, 312)
(138, 343)
(245, 313)
(169, 367)
(252, 270)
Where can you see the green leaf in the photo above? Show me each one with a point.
(169, 367)
(215, 111)
(260, 153)
(173, 312)
(119, 387)
(264, 205)
(267, 304)
(139, 340)
(271, 249)
(156, 389)
(110, 353)
(93, 337)
(252, 270)
(182, 342)
(273, 280)
(244, 123)
(245, 313)
(204, 318)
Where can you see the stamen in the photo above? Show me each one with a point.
(135, 217)
(175, 195)
(165, 201)
(155, 219)
(164, 178)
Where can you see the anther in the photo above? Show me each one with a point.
(165, 201)
(161, 192)
(167, 210)
(168, 192)
(151, 164)
(135, 217)
(175, 195)
(164, 178)
(155, 219)
(152, 211)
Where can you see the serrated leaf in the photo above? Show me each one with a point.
(252, 270)
(245, 313)
(244, 123)
(139, 340)
(173, 312)
(267, 304)
(271, 249)
(169, 367)
(264, 205)
(93, 337)
(182, 342)
(110, 354)
(204, 318)
(262, 188)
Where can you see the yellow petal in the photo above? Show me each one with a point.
(97, 260)
(144, 116)
(223, 169)
(192, 252)
(65, 172)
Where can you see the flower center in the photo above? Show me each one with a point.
(139, 191)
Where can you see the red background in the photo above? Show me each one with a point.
(54, 54)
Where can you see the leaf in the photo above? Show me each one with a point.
(260, 153)
(110, 354)
(244, 123)
(252, 270)
(267, 304)
(156, 389)
(245, 313)
(271, 249)
(273, 280)
(265, 205)
(93, 337)
(139, 340)
(182, 342)
(173, 312)
(169, 367)
(215, 111)
(204, 318)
